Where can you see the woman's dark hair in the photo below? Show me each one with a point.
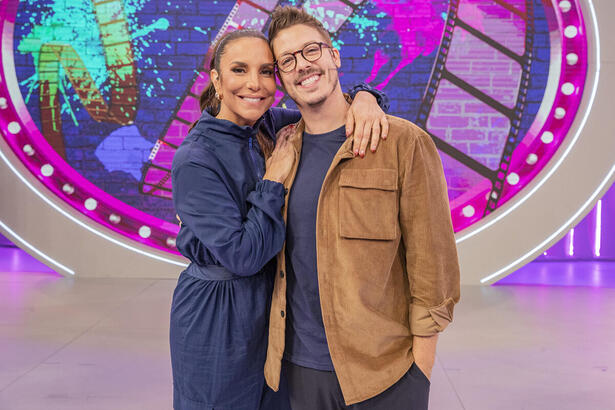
(208, 100)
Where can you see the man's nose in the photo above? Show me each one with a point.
(302, 63)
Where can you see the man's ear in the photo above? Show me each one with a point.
(335, 54)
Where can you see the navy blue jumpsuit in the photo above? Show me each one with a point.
(232, 227)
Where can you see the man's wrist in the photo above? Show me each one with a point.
(424, 352)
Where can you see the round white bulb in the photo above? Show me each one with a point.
(565, 6)
(572, 58)
(47, 170)
(547, 137)
(512, 178)
(68, 189)
(567, 88)
(145, 232)
(171, 242)
(560, 113)
(3, 104)
(14, 127)
(114, 218)
(90, 204)
(571, 31)
(468, 211)
(532, 159)
(28, 150)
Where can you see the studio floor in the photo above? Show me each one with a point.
(85, 344)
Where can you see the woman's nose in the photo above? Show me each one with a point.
(253, 81)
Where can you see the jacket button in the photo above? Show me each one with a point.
(285, 191)
(282, 313)
(281, 274)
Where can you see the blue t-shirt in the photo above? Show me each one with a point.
(306, 343)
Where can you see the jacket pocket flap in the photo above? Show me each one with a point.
(380, 178)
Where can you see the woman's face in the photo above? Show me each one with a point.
(246, 81)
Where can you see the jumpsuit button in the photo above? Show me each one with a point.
(282, 274)
(282, 313)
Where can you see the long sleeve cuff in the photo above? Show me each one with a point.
(430, 321)
(268, 196)
(381, 97)
(271, 187)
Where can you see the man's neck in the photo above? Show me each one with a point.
(328, 116)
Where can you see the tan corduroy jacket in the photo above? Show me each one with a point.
(386, 257)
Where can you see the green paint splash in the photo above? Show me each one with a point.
(73, 22)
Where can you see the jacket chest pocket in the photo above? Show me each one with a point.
(368, 204)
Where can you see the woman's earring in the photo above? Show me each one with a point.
(218, 96)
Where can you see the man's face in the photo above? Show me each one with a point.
(310, 83)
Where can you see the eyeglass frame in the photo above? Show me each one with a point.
(294, 54)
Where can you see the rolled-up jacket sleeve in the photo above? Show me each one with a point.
(207, 208)
(427, 233)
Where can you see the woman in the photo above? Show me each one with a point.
(232, 227)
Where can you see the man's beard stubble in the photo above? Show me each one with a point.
(320, 101)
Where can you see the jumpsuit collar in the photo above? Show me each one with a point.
(208, 122)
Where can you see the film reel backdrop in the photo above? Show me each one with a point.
(97, 95)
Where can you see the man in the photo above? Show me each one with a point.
(369, 274)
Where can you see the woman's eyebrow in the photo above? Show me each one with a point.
(242, 64)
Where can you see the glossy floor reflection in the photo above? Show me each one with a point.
(103, 344)
(13, 259)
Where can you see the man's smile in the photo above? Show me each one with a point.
(309, 80)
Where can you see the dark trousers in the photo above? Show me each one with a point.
(311, 389)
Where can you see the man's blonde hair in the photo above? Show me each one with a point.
(288, 16)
